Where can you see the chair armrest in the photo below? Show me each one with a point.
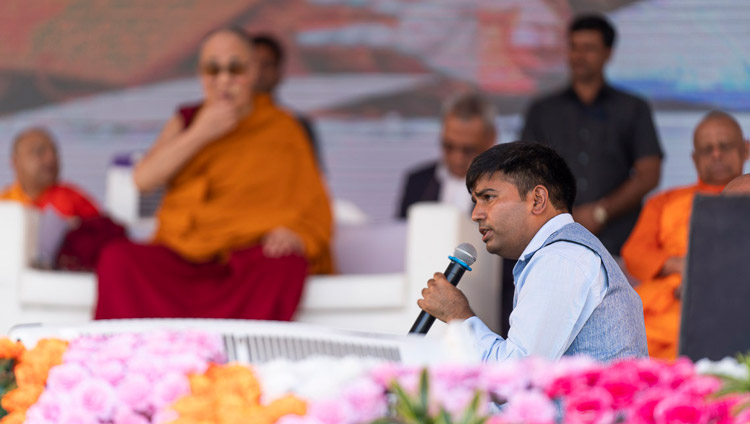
(19, 227)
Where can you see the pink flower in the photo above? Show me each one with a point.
(118, 348)
(720, 410)
(573, 374)
(366, 399)
(454, 400)
(164, 416)
(169, 389)
(529, 407)
(296, 419)
(49, 406)
(112, 371)
(680, 409)
(700, 385)
(65, 377)
(592, 406)
(622, 381)
(330, 411)
(642, 409)
(679, 371)
(504, 378)
(387, 373)
(150, 366)
(77, 416)
(96, 397)
(540, 370)
(455, 375)
(135, 390)
(187, 363)
(743, 417)
(126, 416)
(652, 372)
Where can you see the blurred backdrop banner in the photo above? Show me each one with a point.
(104, 75)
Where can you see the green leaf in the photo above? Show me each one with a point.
(405, 408)
(470, 415)
(443, 417)
(424, 390)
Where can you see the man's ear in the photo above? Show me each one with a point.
(540, 198)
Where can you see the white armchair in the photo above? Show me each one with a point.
(381, 302)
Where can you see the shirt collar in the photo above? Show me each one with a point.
(543, 234)
(603, 93)
(709, 188)
(16, 193)
(442, 174)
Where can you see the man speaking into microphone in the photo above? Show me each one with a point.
(570, 295)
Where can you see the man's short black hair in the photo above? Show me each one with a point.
(272, 43)
(597, 23)
(527, 165)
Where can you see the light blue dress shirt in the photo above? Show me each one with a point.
(556, 293)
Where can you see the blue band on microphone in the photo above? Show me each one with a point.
(460, 262)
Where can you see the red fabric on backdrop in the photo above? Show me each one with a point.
(151, 281)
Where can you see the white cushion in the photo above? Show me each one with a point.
(57, 288)
(327, 292)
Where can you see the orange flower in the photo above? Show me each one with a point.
(231, 394)
(21, 398)
(13, 418)
(10, 349)
(31, 373)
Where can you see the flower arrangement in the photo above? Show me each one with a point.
(572, 390)
(182, 378)
(231, 394)
(9, 354)
(30, 371)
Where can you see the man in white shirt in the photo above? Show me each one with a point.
(570, 297)
(468, 130)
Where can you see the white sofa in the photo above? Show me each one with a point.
(357, 298)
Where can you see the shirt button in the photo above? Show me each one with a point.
(583, 184)
(583, 158)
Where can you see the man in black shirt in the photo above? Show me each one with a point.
(606, 136)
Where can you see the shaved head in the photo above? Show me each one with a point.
(35, 160)
(720, 150)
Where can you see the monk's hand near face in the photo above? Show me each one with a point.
(282, 242)
(444, 301)
(215, 120)
(584, 215)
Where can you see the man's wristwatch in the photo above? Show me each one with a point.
(600, 214)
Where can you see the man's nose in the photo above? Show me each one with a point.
(477, 213)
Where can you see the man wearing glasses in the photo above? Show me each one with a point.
(468, 130)
(245, 216)
(655, 251)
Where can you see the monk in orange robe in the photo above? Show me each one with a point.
(37, 168)
(655, 251)
(245, 216)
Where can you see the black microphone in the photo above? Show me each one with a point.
(463, 257)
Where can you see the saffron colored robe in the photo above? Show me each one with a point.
(662, 232)
(206, 260)
(68, 200)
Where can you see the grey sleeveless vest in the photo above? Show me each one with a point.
(615, 329)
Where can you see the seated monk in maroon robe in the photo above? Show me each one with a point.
(245, 217)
